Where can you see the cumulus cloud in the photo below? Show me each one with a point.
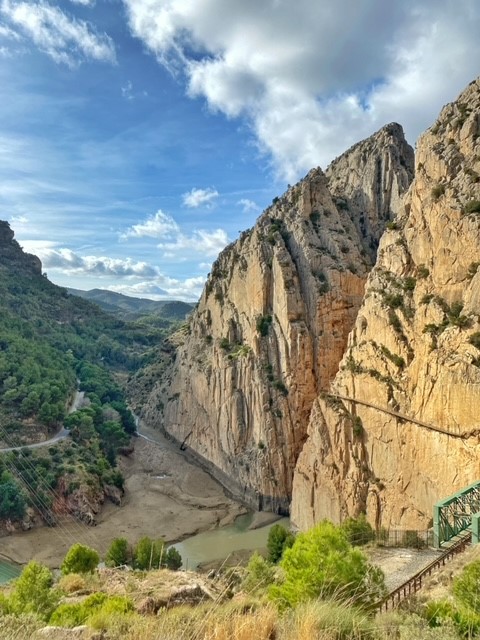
(65, 39)
(156, 226)
(71, 263)
(208, 243)
(199, 197)
(175, 242)
(248, 205)
(85, 3)
(314, 77)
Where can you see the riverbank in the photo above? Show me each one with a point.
(166, 497)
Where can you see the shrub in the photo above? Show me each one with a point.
(474, 339)
(472, 269)
(357, 427)
(118, 553)
(438, 191)
(173, 559)
(149, 554)
(279, 539)
(80, 559)
(393, 300)
(358, 530)
(71, 583)
(473, 206)
(422, 271)
(33, 593)
(466, 586)
(259, 575)
(263, 325)
(412, 540)
(321, 562)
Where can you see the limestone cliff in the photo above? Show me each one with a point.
(273, 320)
(414, 351)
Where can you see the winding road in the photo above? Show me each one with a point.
(60, 435)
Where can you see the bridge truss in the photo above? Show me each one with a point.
(454, 514)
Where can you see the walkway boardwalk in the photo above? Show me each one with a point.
(405, 418)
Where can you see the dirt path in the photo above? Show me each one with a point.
(166, 496)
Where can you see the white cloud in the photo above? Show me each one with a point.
(65, 39)
(71, 263)
(248, 205)
(17, 220)
(7, 33)
(175, 242)
(199, 197)
(208, 243)
(164, 288)
(156, 226)
(85, 3)
(314, 77)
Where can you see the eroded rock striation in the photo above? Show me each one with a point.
(414, 351)
(273, 320)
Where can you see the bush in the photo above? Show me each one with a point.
(438, 191)
(473, 206)
(278, 540)
(259, 576)
(71, 583)
(263, 325)
(118, 553)
(149, 554)
(80, 559)
(466, 586)
(358, 530)
(33, 593)
(321, 562)
(173, 559)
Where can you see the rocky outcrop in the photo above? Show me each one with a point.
(414, 351)
(273, 320)
(13, 256)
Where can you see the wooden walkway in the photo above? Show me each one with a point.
(415, 583)
(405, 418)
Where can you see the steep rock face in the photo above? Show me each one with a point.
(273, 321)
(414, 351)
(12, 255)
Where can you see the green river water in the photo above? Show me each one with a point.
(219, 543)
(203, 547)
(8, 571)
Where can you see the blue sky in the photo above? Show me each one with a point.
(138, 137)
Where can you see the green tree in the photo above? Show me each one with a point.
(149, 554)
(466, 587)
(118, 553)
(259, 576)
(358, 530)
(321, 562)
(12, 498)
(279, 539)
(173, 559)
(33, 593)
(80, 559)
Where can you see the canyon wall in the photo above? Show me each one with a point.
(414, 351)
(273, 321)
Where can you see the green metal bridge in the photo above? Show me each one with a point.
(456, 514)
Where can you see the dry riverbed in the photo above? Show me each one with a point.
(166, 497)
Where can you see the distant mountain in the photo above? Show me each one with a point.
(128, 307)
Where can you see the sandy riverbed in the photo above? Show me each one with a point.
(166, 496)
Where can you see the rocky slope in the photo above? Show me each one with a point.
(12, 255)
(273, 320)
(414, 350)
